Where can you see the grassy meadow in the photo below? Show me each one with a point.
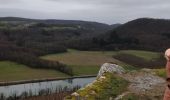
(83, 62)
(147, 55)
(10, 71)
(89, 62)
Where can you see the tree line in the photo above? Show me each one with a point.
(31, 59)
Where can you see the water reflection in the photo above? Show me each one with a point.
(36, 87)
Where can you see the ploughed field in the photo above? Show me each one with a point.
(82, 63)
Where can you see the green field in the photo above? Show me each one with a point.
(10, 71)
(89, 62)
(147, 55)
(82, 62)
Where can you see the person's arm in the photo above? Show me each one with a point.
(168, 70)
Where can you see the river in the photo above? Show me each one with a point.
(36, 87)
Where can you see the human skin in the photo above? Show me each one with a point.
(167, 91)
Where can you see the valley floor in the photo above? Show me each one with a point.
(82, 63)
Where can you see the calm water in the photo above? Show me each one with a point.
(36, 87)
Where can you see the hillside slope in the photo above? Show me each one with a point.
(142, 34)
(48, 35)
(86, 24)
(152, 34)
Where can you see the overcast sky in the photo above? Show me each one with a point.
(106, 11)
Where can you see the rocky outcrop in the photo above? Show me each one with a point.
(111, 68)
(144, 84)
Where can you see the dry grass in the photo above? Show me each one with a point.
(82, 57)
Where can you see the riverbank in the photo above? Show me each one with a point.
(42, 80)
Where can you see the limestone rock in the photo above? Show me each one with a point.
(112, 68)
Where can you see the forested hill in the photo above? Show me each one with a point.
(24, 40)
(49, 35)
(95, 26)
(153, 34)
(145, 26)
(58, 35)
(144, 33)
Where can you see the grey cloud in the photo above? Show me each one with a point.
(107, 11)
(8, 1)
